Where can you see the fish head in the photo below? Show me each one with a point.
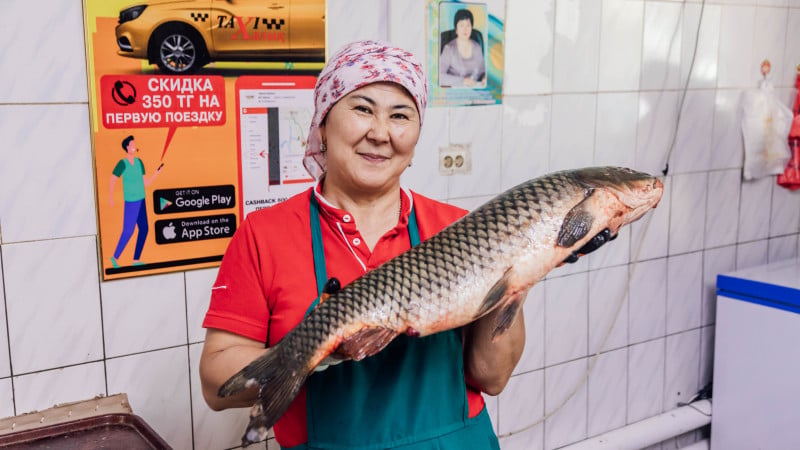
(631, 193)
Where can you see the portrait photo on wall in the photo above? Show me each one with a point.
(462, 55)
(465, 52)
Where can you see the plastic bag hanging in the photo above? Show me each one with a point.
(765, 128)
(790, 178)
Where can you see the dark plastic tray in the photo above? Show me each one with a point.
(111, 431)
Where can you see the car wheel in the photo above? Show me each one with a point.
(178, 51)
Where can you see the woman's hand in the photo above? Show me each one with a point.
(487, 364)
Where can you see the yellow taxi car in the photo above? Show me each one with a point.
(181, 36)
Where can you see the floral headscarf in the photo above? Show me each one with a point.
(356, 65)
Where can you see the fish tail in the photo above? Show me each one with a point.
(279, 378)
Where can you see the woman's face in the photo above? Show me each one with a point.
(370, 135)
(463, 28)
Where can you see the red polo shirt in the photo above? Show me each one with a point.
(266, 281)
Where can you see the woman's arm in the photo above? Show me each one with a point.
(488, 365)
(224, 354)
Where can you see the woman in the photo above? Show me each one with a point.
(461, 62)
(418, 393)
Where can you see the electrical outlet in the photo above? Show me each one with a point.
(455, 159)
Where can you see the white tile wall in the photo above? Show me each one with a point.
(576, 47)
(372, 22)
(213, 430)
(5, 362)
(645, 379)
(572, 132)
(47, 58)
(526, 139)
(661, 46)
(52, 303)
(684, 291)
(648, 301)
(751, 254)
(529, 47)
(608, 309)
(785, 212)
(521, 410)
(6, 398)
(565, 318)
(609, 64)
(157, 384)
(607, 385)
(620, 61)
(715, 261)
(722, 210)
(615, 138)
(566, 398)
(477, 126)
(198, 297)
(792, 54)
(706, 355)
(770, 37)
(48, 144)
(143, 313)
(687, 212)
(736, 46)
(657, 121)
(423, 175)
(782, 248)
(704, 48)
(727, 146)
(692, 151)
(754, 209)
(681, 367)
(42, 390)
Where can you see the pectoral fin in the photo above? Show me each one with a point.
(365, 342)
(496, 293)
(507, 298)
(576, 225)
(507, 313)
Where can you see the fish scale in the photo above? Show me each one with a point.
(485, 261)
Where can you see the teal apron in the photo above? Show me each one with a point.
(365, 405)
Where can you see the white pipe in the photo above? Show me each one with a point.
(650, 431)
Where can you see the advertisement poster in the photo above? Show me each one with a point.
(199, 113)
(465, 52)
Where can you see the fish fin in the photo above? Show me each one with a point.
(576, 225)
(365, 342)
(496, 293)
(507, 313)
(256, 430)
(279, 377)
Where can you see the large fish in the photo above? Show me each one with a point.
(486, 260)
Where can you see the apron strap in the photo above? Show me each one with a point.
(320, 270)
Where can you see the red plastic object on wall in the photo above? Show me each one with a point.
(790, 178)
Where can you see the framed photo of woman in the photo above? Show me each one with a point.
(462, 45)
(465, 52)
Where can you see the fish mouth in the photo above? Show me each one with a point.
(639, 197)
(636, 192)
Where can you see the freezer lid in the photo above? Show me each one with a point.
(776, 285)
